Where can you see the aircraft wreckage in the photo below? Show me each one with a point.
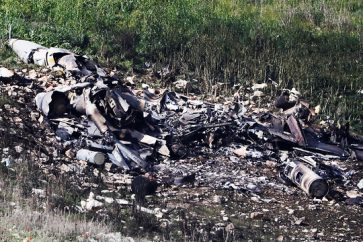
(134, 129)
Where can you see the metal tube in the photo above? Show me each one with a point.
(306, 179)
(94, 157)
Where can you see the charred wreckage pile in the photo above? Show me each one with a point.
(149, 130)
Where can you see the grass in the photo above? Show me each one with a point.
(24, 223)
(315, 46)
(24, 216)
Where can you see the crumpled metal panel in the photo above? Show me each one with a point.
(52, 104)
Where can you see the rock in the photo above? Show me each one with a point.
(241, 152)
(290, 211)
(354, 194)
(217, 199)
(33, 74)
(280, 238)
(18, 149)
(65, 168)
(70, 153)
(130, 80)
(44, 79)
(45, 70)
(271, 164)
(299, 221)
(6, 74)
(7, 107)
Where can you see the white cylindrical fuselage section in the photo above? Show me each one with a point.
(93, 157)
(306, 179)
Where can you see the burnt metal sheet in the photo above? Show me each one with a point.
(296, 130)
(314, 143)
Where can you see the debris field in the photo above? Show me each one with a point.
(248, 166)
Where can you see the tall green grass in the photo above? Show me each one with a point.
(315, 46)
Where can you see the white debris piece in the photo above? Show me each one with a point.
(360, 184)
(91, 203)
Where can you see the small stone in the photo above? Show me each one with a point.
(6, 73)
(217, 199)
(299, 221)
(290, 211)
(70, 153)
(65, 168)
(130, 80)
(18, 149)
(33, 74)
(17, 120)
(45, 70)
(280, 238)
(44, 79)
(241, 152)
(271, 163)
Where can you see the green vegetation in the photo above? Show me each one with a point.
(315, 46)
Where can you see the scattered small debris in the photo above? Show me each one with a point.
(157, 141)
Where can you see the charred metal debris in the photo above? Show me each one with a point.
(106, 120)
